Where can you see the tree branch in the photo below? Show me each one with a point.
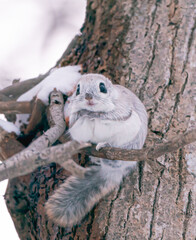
(13, 107)
(52, 134)
(28, 161)
(4, 98)
(145, 153)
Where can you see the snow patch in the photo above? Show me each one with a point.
(63, 79)
(9, 127)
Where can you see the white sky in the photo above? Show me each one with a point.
(25, 51)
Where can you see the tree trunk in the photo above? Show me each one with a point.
(149, 47)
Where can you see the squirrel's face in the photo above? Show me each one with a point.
(95, 93)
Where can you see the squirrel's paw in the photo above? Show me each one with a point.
(102, 145)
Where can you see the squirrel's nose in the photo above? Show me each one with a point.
(88, 96)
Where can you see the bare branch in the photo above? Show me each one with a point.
(172, 145)
(27, 161)
(4, 98)
(37, 113)
(13, 107)
(145, 153)
(56, 112)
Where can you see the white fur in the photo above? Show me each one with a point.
(97, 130)
(129, 132)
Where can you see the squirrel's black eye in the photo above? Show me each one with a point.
(102, 88)
(78, 90)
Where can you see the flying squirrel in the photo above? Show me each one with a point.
(107, 115)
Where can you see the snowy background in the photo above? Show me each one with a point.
(34, 35)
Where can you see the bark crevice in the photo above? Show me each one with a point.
(180, 177)
(149, 63)
(190, 41)
(155, 206)
(188, 215)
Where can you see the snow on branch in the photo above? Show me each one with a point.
(17, 89)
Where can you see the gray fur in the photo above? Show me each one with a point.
(75, 198)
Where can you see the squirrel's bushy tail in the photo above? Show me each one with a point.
(77, 196)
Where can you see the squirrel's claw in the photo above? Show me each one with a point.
(101, 145)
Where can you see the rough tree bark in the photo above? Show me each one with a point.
(149, 47)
